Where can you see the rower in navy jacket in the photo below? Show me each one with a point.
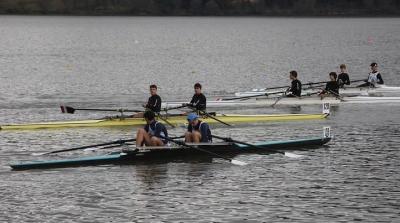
(153, 132)
(197, 131)
(153, 103)
(332, 87)
(199, 101)
(295, 88)
(374, 77)
(343, 78)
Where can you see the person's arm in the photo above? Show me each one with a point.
(347, 80)
(157, 107)
(380, 80)
(204, 132)
(157, 132)
(202, 103)
(192, 102)
(151, 103)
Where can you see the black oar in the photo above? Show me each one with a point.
(253, 96)
(292, 155)
(164, 119)
(173, 108)
(212, 117)
(324, 82)
(121, 141)
(71, 110)
(233, 161)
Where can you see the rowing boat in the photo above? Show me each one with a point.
(145, 155)
(172, 119)
(261, 102)
(274, 101)
(380, 90)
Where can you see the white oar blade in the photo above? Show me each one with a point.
(38, 154)
(238, 162)
(90, 149)
(292, 155)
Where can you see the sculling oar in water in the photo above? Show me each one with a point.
(291, 155)
(207, 114)
(116, 142)
(71, 110)
(121, 142)
(181, 143)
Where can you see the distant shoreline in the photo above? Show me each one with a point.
(256, 8)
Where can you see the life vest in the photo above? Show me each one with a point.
(373, 78)
(153, 131)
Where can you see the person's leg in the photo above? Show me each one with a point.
(188, 137)
(142, 137)
(155, 141)
(196, 137)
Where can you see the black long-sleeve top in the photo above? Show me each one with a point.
(343, 79)
(199, 102)
(295, 88)
(154, 103)
(332, 87)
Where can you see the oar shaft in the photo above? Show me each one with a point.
(202, 150)
(212, 117)
(245, 143)
(122, 141)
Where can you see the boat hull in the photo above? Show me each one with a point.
(176, 120)
(262, 102)
(170, 154)
(381, 90)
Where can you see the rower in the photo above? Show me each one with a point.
(332, 86)
(295, 88)
(343, 78)
(153, 103)
(197, 131)
(198, 101)
(374, 77)
(153, 133)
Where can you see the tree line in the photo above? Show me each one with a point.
(204, 7)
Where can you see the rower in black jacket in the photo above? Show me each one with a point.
(199, 101)
(343, 78)
(153, 103)
(295, 88)
(332, 87)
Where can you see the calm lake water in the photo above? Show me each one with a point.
(110, 62)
